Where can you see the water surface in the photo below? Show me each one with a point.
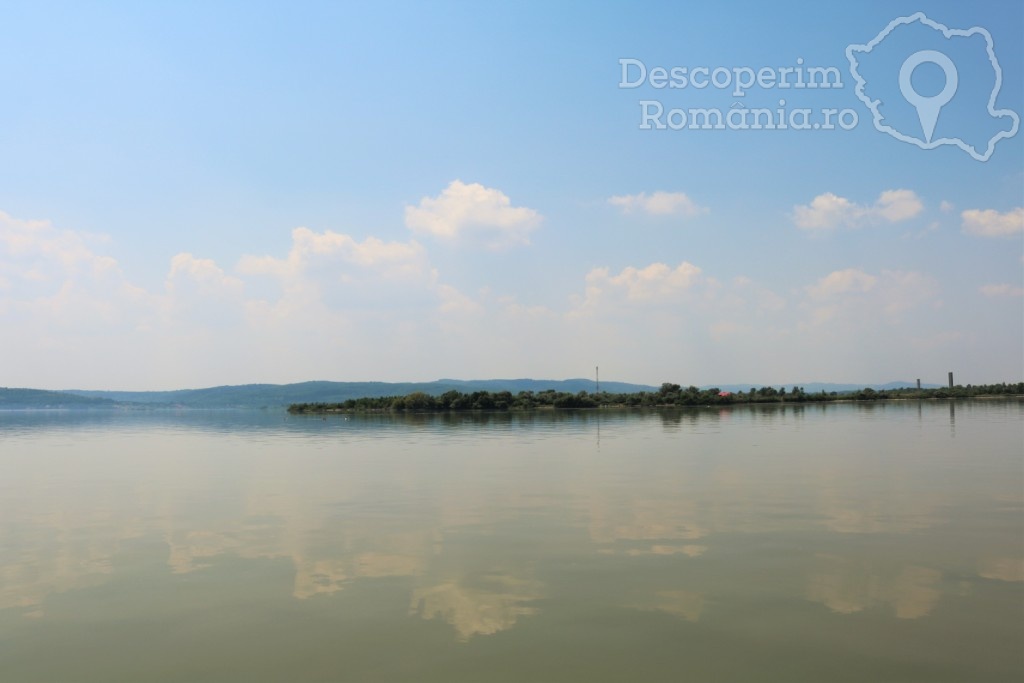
(831, 543)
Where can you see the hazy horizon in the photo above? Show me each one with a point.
(604, 382)
(274, 193)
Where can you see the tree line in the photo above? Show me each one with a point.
(668, 395)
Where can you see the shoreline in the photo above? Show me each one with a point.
(331, 410)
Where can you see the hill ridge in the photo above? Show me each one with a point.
(268, 395)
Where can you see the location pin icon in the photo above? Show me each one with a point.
(928, 107)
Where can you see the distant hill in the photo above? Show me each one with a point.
(280, 395)
(38, 398)
(517, 385)
(276, 395)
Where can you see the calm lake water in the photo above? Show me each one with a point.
(818, 544)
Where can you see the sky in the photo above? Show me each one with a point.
(196, 194)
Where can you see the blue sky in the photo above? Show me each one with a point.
(219, 193)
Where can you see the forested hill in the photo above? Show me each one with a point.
(280, 395)
(41, 399)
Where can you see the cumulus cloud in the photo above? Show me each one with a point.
(36, 251)
(69, 309)
(203, 274)
(1002, 290)
(842, 282)
(200, 294)
(633, 287)
(56, 277)
(828, 211)
(472, 213)
(309, 247)
(454, 301)
(335, 305)
(897, 205)
(825, 211)
(334, 271)
(991, 223)
(658, 204)
(657, 280)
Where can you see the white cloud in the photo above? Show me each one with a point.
(828, 211)
(454, 301)
(1001, 290)
(897, 205)
(328, 276)
(394, 259)
(331, 305)
(54, 277)
(37, 251)
(199, 294)
(946, 206)
(653, 282)
(842, 282)
(68, 313)
(361, 292)
(203, 274)
(473, 214)
(658, 204)
(71, 313)
(825, 211)
(991, 223)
